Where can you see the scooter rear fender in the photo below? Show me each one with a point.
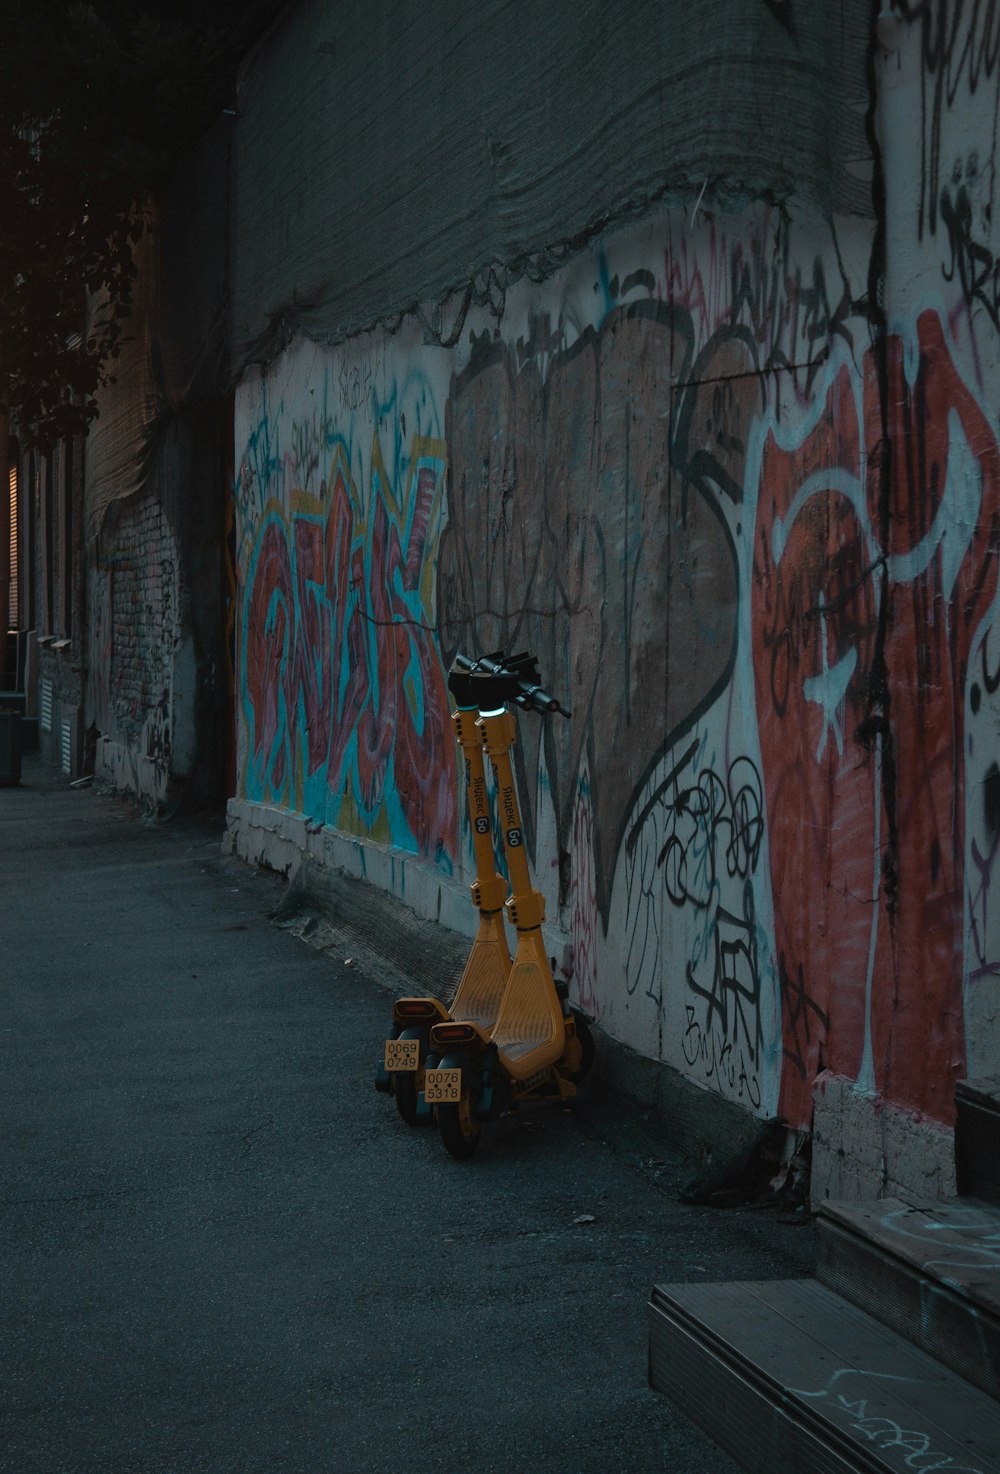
(418, 1012)
(459, 1034)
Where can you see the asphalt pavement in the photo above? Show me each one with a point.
(221, 1250)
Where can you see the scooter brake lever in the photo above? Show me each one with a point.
(533, 698)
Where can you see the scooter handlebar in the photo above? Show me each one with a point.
(500, 678)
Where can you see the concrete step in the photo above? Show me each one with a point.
(977, 1138)
(789, 1378)
(932, 1273)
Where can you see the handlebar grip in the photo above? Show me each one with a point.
(538, 700)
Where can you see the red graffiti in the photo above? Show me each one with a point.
(861, 647)
(271, 609)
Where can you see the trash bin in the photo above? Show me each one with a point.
(10, 748)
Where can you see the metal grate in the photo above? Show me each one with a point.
(14, 610)
(45, 705)
(66, 747)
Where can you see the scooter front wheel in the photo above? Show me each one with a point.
(581, 1055)
(457, 1123)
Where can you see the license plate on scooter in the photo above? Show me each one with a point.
(443, 1087)
(402, 1054)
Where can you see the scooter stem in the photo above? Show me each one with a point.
(489, 890)
(530, 1031)
(526, 906)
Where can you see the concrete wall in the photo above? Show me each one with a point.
(389, 153)
(733, 474)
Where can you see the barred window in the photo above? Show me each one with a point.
(14, 605)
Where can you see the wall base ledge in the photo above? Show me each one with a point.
(126, 771)
(281, 840)
(864, 1148)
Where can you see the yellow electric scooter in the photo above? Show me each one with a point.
(538, 1045)
(484, 977)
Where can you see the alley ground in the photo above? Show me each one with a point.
(223, 1252)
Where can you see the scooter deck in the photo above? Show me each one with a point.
(530, 1031)
(481, 987)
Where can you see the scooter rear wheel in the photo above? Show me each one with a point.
(457, 1123)
(404, 1082)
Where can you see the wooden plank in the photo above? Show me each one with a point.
(746, 1415)
(914, 1378)
(738, 1405)
(833, 1374)
(985, 1092)
(977, 1138)
(955, 1242)
(948, 1325)
(930, 1271)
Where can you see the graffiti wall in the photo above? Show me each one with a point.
(735, 479)
(340, 501)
